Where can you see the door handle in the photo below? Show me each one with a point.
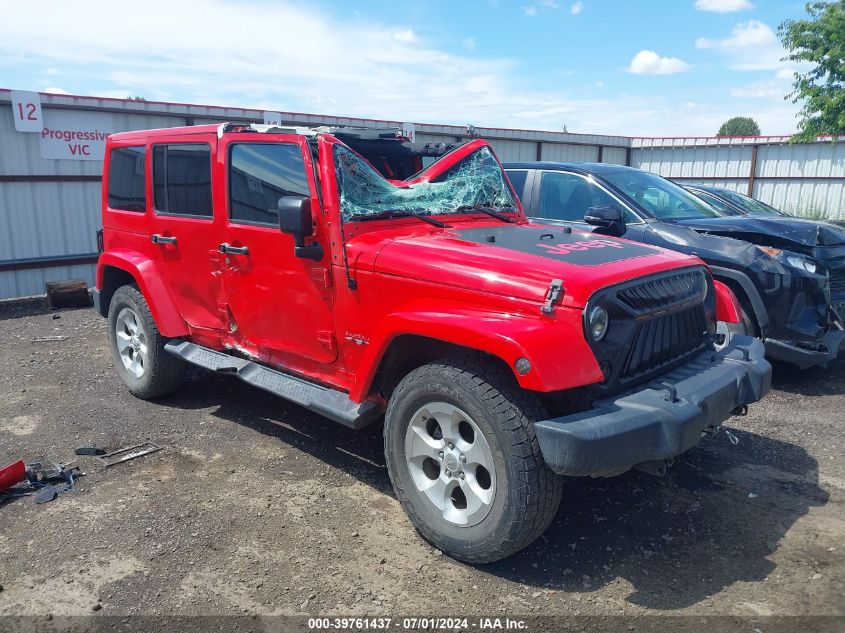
(162, 239)
(233, 250)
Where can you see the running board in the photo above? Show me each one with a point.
(323, 400)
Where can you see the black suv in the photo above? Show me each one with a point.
(785, 295)
(751, 220)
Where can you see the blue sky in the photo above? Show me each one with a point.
(657, 67)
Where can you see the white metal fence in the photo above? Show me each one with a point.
(50, 208)
(805, 179)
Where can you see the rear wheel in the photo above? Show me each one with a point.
(464, 461)
(138, 347)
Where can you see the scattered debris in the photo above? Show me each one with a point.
(130, 452)
(45, 480)
(12, 474)
(93, 449)
(49, 339)
(48, 493)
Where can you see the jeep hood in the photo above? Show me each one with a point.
(520, 260)
(779, 232)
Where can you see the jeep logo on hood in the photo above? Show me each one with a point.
(582, 249)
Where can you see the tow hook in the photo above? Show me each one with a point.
(733, 439)
(714, 431)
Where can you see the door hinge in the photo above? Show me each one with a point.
(553, 295)
(321, 275)
(327, 340)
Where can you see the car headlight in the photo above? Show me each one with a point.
(599, 321)
(790, 259)
(802, 262)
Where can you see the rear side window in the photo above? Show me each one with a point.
(126, 179)
(518, 178)
(182, 179)
(260, 174)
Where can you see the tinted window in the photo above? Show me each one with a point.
(182, 179)
(260, 174)
(716, 203)
(518, 179)
(568, 197)
(661, 197)
(126, 179)
(750, 205)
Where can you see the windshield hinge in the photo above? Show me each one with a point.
(553, 295)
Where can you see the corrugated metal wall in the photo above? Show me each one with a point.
(51, 208)
(805, 178)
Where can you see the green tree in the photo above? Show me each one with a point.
(819, 41)
(739, 126)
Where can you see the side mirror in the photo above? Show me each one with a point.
(295, 219)
(608, 220)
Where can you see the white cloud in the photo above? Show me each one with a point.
(407, 36)
(650, 63)
(530, 11)
(752, 45)
(360, 69)
(56, 91)
(469, 43)
(576, 8)
(763, 89)
(723, 6)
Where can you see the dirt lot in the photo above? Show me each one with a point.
(258, 506)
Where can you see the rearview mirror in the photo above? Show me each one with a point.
(608, 220)
(295, 219)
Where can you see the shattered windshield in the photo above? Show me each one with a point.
(476, 180)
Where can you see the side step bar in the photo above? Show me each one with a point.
(331, 403)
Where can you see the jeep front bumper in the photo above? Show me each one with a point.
(659, 419)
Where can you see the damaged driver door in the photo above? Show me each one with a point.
(279, 305)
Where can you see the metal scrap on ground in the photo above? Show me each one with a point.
(130, 452)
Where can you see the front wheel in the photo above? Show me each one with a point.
(464, 461)
(138, 347)
(725, 332)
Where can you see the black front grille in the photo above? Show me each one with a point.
(655, 324)
(662, 339)
(663, 292)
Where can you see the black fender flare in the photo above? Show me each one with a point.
(760, 313)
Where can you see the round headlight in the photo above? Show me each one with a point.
(598, 323)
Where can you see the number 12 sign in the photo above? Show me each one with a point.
(26, 110)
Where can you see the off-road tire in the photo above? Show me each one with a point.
(527, 493)
(163, 373)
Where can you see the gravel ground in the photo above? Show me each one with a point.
(257, 506)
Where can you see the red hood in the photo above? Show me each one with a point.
(517, 260)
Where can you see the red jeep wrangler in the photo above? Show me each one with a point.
(359, 275)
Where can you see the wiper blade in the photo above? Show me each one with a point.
(389, 215)
(486, 210)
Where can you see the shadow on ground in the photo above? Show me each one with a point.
(714, 520)
(813, 381)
